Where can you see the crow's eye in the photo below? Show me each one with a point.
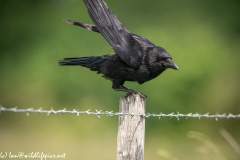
(162, 59)
(159, 58)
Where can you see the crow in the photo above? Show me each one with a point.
(135, 59)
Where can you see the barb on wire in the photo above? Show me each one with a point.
(112, 113)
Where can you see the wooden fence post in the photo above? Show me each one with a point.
(131, 129)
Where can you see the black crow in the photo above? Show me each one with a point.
(136, 59)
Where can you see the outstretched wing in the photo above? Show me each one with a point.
(114, 32)
(143, 42)
(89, 27)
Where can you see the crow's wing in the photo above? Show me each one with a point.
(114, 32)
(91, 27)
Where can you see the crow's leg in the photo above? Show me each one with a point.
(119, 87)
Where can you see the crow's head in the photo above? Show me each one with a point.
(164, 60)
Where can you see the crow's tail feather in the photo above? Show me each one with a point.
(93, 62)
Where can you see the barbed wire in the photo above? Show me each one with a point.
(112, 113)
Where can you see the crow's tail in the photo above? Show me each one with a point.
(93, 62)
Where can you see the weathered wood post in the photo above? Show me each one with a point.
(131, 129)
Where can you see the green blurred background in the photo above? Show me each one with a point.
(202, 36)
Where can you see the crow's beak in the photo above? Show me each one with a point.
(171, 64)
